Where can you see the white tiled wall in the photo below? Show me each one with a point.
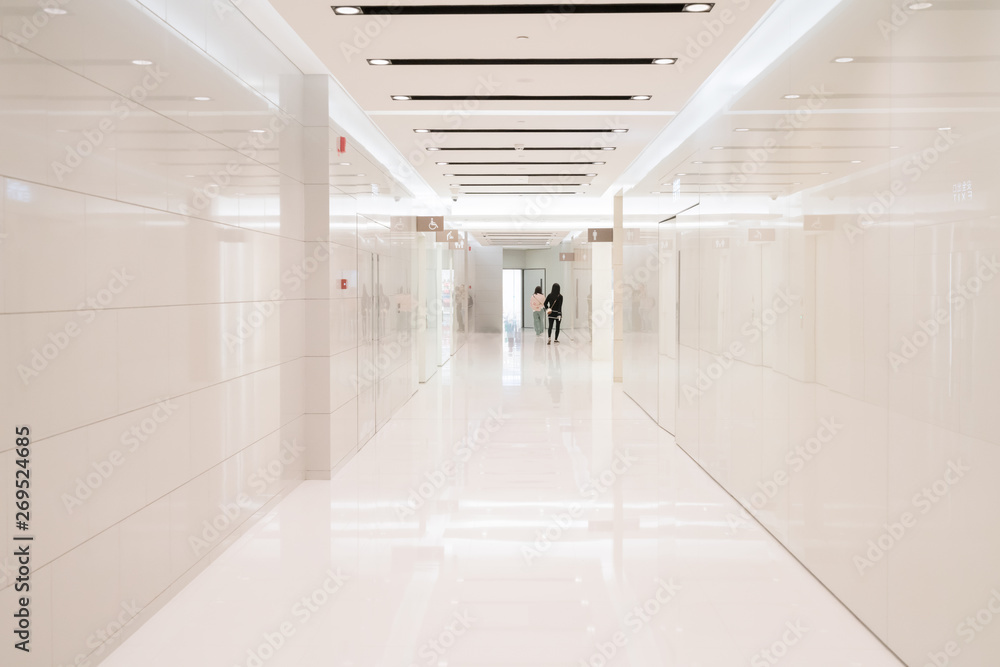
(149, 249)
(834, 306)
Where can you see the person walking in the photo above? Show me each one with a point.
(553, 306)
(537, 310)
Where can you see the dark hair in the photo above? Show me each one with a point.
(555, 289)
(538, 290)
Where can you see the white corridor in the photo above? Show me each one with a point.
(412, 556)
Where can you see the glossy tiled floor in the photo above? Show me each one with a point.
(641, 557)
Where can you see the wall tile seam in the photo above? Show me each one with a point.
(153, 209)
(166, 496)
(150, 405)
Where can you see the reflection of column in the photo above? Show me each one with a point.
(602, 302)
(617, 256)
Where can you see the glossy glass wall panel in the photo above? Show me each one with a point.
(838, 315)
(641, 308)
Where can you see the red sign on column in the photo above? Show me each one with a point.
(343, 283)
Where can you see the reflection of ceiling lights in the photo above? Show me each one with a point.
(142, 62)
(55, 11)
(944, 129)
(347, 10)
(202, 98)
(856, 161)
(258, 131)
(697, 162)
(742, 129)
(917, 6)
(792, 96)
(698, 7)
(343, 164)
(718, 148)
(843, 60)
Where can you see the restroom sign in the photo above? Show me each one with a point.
(567, 257)
(760, 235)
(448, 236)
(430, 223)
(600, 235)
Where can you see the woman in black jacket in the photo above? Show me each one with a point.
(553, 306)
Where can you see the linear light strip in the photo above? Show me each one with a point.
(519, 98)
(445, 62)
(568, 8)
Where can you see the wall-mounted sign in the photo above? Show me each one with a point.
(760, 235)
(457, 245)
(447, 236)
(567, 257)
(430, 223)
(818, 223)
(720, 244)
(600, 235)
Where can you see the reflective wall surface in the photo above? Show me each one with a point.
(839, 314)
(189, 317)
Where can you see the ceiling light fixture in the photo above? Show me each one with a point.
(681, 174)
(641, 97)
(400, 98)
(347, 11)
(742, 129)
(421, 131)
(944, 129)
(142, 62)
(619, 130)
(343, 164)
(598, 163)
(522, 37)
(379, 61)
(202, 98)
(917, 6)
(433, 148)
(607, 148)
(590, 174)
(441, 163)
(718, 148)
(698, 162)
(792, 96)
(843, 60)
(258, 131)
(664, 61)
(856, 161)
(55, 11)
(698, 7)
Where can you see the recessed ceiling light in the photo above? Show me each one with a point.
(55, 11)
(742, 129)
(433, 148)
(449, 175)
(343, 164)
(894, 147)
(421, 131)
(792, 96)
(607, 148)
(619, 130)
(917, 6)
(641, 97)
(856, 161)
(590, 174)
(189, 176)
(379, 61)
(698, 7)
(944, 129)
(142, 62)
(717, 148)
(843, 60)
(598, 163)
(347, 10)
(401, 98)
(698, 162)
(258, 131)
(455, 185)
(796, 183)
(202, 98)
(824, 173)
(664, 61)
(441, 163)
(681, 174)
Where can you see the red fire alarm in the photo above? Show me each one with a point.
(343, 283)
(342, 145)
